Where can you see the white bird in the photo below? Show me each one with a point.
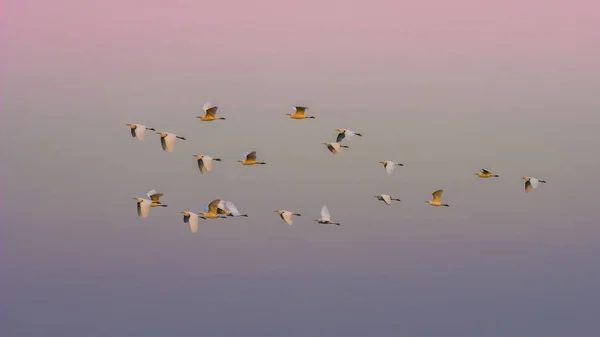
(191, 219)
(437, 199)
(345, 133)
(138, 130)
(144, 205)
(334, 147)
(326, 217)
(531, 182)
(167, 140)
(286, 215)
(389, 166)
(205, 162)
(386, 198)
(229, 209)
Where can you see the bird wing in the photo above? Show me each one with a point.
(155, 197)
(150, 193)
(212, 111)
(300, 110)
(213, 206)
(193, 221)
(389, 167)
(325, 216)
(143, 209)
(206, 106)
(132, 130)
(138, 132)
(484, 171)
(534, 182)
(168, 142)
(205, 164)
(527, 186)
(437, 195)
(287, 217)
(386, 198)
(349, 133)
(250, 155)
(229, 206)
(186, 218)
(340, 137)
(334, 147)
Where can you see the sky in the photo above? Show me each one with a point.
(445, 88)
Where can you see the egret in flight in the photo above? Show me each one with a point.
(167, 140)
(334, 147)
(209, 113)
(386, 198)
(229, 209)
(191, 219)
(286, 215)
(205, 162)
(326, 217)
(212, 211)
(138, 130)
(437, 199)
(486, 174)
(389, 166)
(299, 113)
(345, 134)
(250, 159)
(531, 182)
(144, 205)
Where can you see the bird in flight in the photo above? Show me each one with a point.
(144, 205)
(250, 159)
(229, 209)
(486, 174)
(138, 130)
(345, 134)
(191, 219)
(334, 147)
(299, 113)
(212, 211)
(209, 113)
(386, 198)
(326, 217)
(205, 162)
(531, 183)
(389, 166)
(286, 215)
(167, 140)
(437, 199)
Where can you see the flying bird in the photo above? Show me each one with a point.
(389, 166)
(209, 113)
(326, 217)
(437, 199)
(250, 159)
(167, 140)
(191, 219)
(144, 205)
(212, 211)
(531, 183)
(299, 113)
(386, 198)
(486, 174)
(205, 162)
(334, 147)
(286, 215)
(345, 134)
(138, 130)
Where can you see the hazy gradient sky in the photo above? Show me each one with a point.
(445, 87)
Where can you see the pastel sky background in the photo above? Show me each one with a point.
(445, 87)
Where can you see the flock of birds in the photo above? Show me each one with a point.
(220, 209)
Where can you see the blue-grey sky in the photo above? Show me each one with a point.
(512, 87)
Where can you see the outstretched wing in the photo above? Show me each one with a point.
(528, 186)
(287, 217)
(205, 164)
(484, 171)
(154, 196)
(389, 167)
(229, 206)
(250, 155)
(168, 142)
(139, 131)
(212, 111)
(193, 221)
(143, 209)
(300, 110)
(437, 195)
(534, 182)
(387, 199)
(212, 207)
(325, 216)
(340, 136)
